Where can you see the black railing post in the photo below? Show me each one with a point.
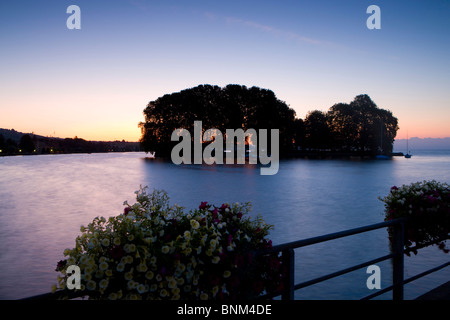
(398, 263)
(288, 259)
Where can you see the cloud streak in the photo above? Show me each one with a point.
(289, 35)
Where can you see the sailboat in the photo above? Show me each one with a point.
(408, 154)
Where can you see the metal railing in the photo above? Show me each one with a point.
(288, 261)
(397, 256)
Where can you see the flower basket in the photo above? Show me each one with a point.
(426, 205)
(157, 251)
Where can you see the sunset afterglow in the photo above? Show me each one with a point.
(95, 82)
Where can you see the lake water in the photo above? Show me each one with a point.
(44, 199)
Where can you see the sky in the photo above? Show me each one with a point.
(95, 82)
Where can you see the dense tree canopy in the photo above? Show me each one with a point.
(231, 107)
(359, 127)
(362, 127)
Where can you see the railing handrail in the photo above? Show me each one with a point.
(397, 255)
(332, 236)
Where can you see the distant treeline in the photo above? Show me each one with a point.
(14, 143)
(357, 128)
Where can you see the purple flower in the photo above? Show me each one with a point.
(61, 264)
(214, 213)
(203, 205)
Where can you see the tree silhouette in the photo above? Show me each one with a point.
(231, 107)
(2, 143)
(362, 127)
(317, 132)
(359, 127)
(26, 144)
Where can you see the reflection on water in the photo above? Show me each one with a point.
(45, 199)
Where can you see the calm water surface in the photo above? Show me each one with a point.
(44, 199)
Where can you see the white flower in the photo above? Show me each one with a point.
(112, 296)
(103, 283)
(172, 283)
(141, 288)
(91, 285)
(163, 293)
(215, 259)
(83, 259)
(120, 267)
(226, 274)
(165, 249)
(131, 284)
(142, 267)
(194, 224)
(129, 275)
(87, 277)
(103, 266)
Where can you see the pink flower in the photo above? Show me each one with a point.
(203, 205)
(126, 210)
(214, 213)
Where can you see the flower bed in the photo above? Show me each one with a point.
(157, 251)
(426, 205)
